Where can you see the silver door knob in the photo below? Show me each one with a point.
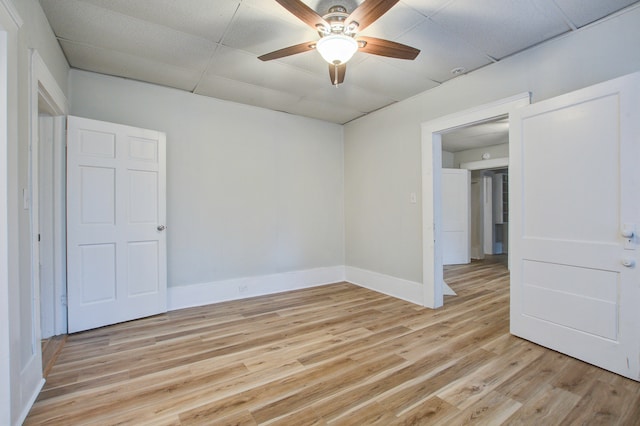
(628, 262)
(161, 228)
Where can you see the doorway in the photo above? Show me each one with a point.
(483, 150)
(433, 133)
(48, 108)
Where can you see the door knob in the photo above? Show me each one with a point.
(161, 228)
(628, 262)
(627, 232)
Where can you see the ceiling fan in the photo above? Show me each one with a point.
(338, 35)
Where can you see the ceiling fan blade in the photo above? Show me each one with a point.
(391, 49)
(304, 13)
(340, 70)
(369, 11)
(288, 51)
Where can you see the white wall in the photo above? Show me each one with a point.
(448, 159)
(34, 33)
(250, 192)
(382, 150)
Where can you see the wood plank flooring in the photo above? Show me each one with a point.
(51, 348)
(336, 354)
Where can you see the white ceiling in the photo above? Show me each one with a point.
(488, 133)
(210, 47)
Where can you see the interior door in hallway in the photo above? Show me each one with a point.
(575, 215)
(116, 211)
(456, 216)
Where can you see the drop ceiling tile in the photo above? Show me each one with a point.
(322, 110)
(426, 7)
(237, 91)
(485, 134)
(383, 78)
(440, 52)
(350, 95)
(582, 13)
(394, 23)
(273, 10)
(254, 31)
(199, 17)
(501, 27)
(242, 66)
(85, 23)
(129, 66)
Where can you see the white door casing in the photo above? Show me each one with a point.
(116, 212)
(433, 282)
(456, 216)
(574, 164)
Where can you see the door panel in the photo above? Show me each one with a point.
(97, 195)
(143, 197)
(116, 202)
(456, 216)
(98, 266)
(143, 267)
(574, 162)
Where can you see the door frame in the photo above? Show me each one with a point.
(6, 382)
(44, 88)
(432, 275)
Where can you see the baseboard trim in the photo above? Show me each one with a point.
(187, 296)
(29, 404)
(410, 291)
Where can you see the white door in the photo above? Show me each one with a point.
(116, 213)
(575, 281)
(456, 216)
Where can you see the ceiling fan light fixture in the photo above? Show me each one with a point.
(337, 49)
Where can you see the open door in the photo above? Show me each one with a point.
(575, 211)
(456, 216)
(116, 210)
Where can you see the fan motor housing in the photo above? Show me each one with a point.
(336, 18)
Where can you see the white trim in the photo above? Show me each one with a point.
(187, 296)
(60, 222)
(48, 86)
(12, 12)
(30, 402)
(399, 288)
(5, 352)
(44, 87)
(492, 163)
(431, 188)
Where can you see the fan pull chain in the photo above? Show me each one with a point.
(335, 76)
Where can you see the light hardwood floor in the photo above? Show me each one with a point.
(337, 354)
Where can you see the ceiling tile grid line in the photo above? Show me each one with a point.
(213, 54)
(500, 27)
(195, 17)
(106, 29)
(124, 65)
(125, 17)
(566, 18)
